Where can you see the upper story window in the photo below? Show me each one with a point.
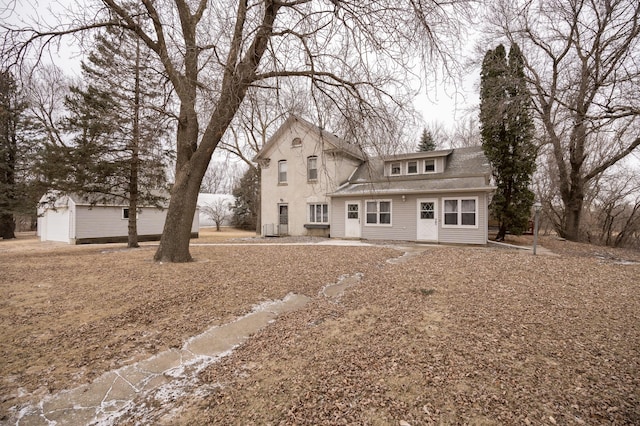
(282, 171)
(312, 168)
(430, 166)
(396, 168)
(296, 142)
(460, 212)
(412, 167)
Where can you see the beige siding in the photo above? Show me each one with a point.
(465, 235)
(338, 216)
(298, 192)
(404, 220)
(107, 221)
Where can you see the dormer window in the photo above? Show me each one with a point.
(430, 166)
(296, 142)
(412, 167)
(396, 169)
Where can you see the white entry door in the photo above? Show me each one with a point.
(352, 219)
(427, 219)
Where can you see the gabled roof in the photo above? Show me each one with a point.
(58, 199)
(467, 169)
(421, 154)
(337, 145)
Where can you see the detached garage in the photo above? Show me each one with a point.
(75, 219)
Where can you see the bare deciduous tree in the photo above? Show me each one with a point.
(218, 211)
(583, 71)
(356, 55)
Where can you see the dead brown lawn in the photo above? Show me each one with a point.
(454, 335)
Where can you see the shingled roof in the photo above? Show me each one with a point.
(467, 169)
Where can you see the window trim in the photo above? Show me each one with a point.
(309, 159)
(378, 212)
(424, 166)
(417, 167)
(315, 205)
(280, 164)
(458, 224)
(123, 217)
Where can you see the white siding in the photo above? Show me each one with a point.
(55, 225)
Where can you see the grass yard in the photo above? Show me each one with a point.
(453, 335)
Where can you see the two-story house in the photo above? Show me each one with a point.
(300, 165)
(313, 183)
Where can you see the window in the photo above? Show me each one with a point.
(378, 212)
(395, 168)
(312, 168)
(125, 213)
(282, 171)
(412, 167)
(296, 142)
(429, 166)
(460, 212)
(318, 213)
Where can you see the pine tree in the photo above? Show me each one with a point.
(247, 195)
(14, 187)
(507, 137)
(118, 125)
(426, 142)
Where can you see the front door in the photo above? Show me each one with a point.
(352, 220)
(283, 221)
(427, 219)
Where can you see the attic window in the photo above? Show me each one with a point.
(429, 166)
(395, 168)
(296, 142)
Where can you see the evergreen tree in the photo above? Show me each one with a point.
(507, 137)
(16, 187)
(426, 142)
(247, 205)
(118, 126)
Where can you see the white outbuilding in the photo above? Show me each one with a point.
(75, 219)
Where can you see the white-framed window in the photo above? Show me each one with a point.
(378, 212)
(460, 212)
(125, 213)
(412, 167)
(296, 142)
(282, 171)
(312, 168)
(430, 166)
(396, 168)
(319, 213)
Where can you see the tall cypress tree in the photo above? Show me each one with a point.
(507, 129)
